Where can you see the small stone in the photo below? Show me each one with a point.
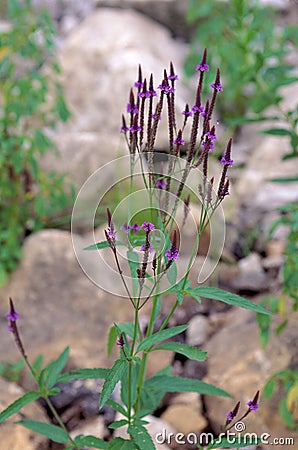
(198, 330)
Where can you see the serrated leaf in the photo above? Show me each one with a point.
(101, 245)
(91, 441)
(84, 374)
(240, 441)
(122, 444)
(190, 352)
(18, 404)
(112, 339)
(56, 434)
(160, 336)
(111, 380)
(50, 374)
(118, 424)
(176, 384)
(117, 407)
(230, 299)
(141, 436)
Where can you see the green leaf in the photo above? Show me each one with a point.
(100, 245)
(160, 336)
(18, 404)
(192, 292)
(193, 353)
(242, 441)
(118, 424)
(117, 407)
(269, 388)
(84, 374)
(112, 339)
(122, 444)
(56, 434)
(285, 414)
(172, 273)
(230, 299)
(292, 179)
(50, 374)
(91, 441)
(111, 380)
(176, 384)
(277, 132)
(141, 435)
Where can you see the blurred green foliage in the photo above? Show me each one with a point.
(30, 101)
(252, 52)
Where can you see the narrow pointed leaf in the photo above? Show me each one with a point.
(111, 380)
(161, 336)
(190, 352)
(229, 298)
(56, 434)
(122, 444)
(84, 374)
(18, 404)
(141, 436)
(101, 245)
(51, 372)
(176, 384)
(91, 441)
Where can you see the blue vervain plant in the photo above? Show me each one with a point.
(153, 262)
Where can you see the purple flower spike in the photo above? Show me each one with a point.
(143, 248)
(202, 67)
(134, 227)
(154, 116)
(121, 341)
(125, 228)
(148, 226)
(12, 316)
(173, 253)
(253, 404)
(227, 162)
(161, 184)
(230, 416)
(217, 86)
(173, 77)
(186, 112)
(135, 128)
(199, 109)
(179, 140)
(131, 108)
(167, 89)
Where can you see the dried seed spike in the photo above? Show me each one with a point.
(209, 191)
(110, 224)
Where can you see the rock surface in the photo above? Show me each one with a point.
(17, 437)
(238, 364)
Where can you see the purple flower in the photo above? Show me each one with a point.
(230, 416)
(148, 226)
(199, 109)
(124, 129)
(173, 77)
(111, 233)
(139, 84)
(131, 108)
(161, 184)
(167, 89)
(125, 228)
(135, 128)
(202, 67)
(226, 162)
(187, 113)
(217, 86)
(147, 94)
(143, 248)
(121, 341)
(134, 227)
(179, 141)
(173, 253)
(154, 116)
(210, 135)
(253, 406)
(209, 143)
(13, 316)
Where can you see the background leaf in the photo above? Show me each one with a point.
(18, 404)
(56, 434)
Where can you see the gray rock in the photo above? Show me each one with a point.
(198, 330)
(251, 275)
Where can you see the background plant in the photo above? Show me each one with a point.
(254, 55)
(30, 101)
